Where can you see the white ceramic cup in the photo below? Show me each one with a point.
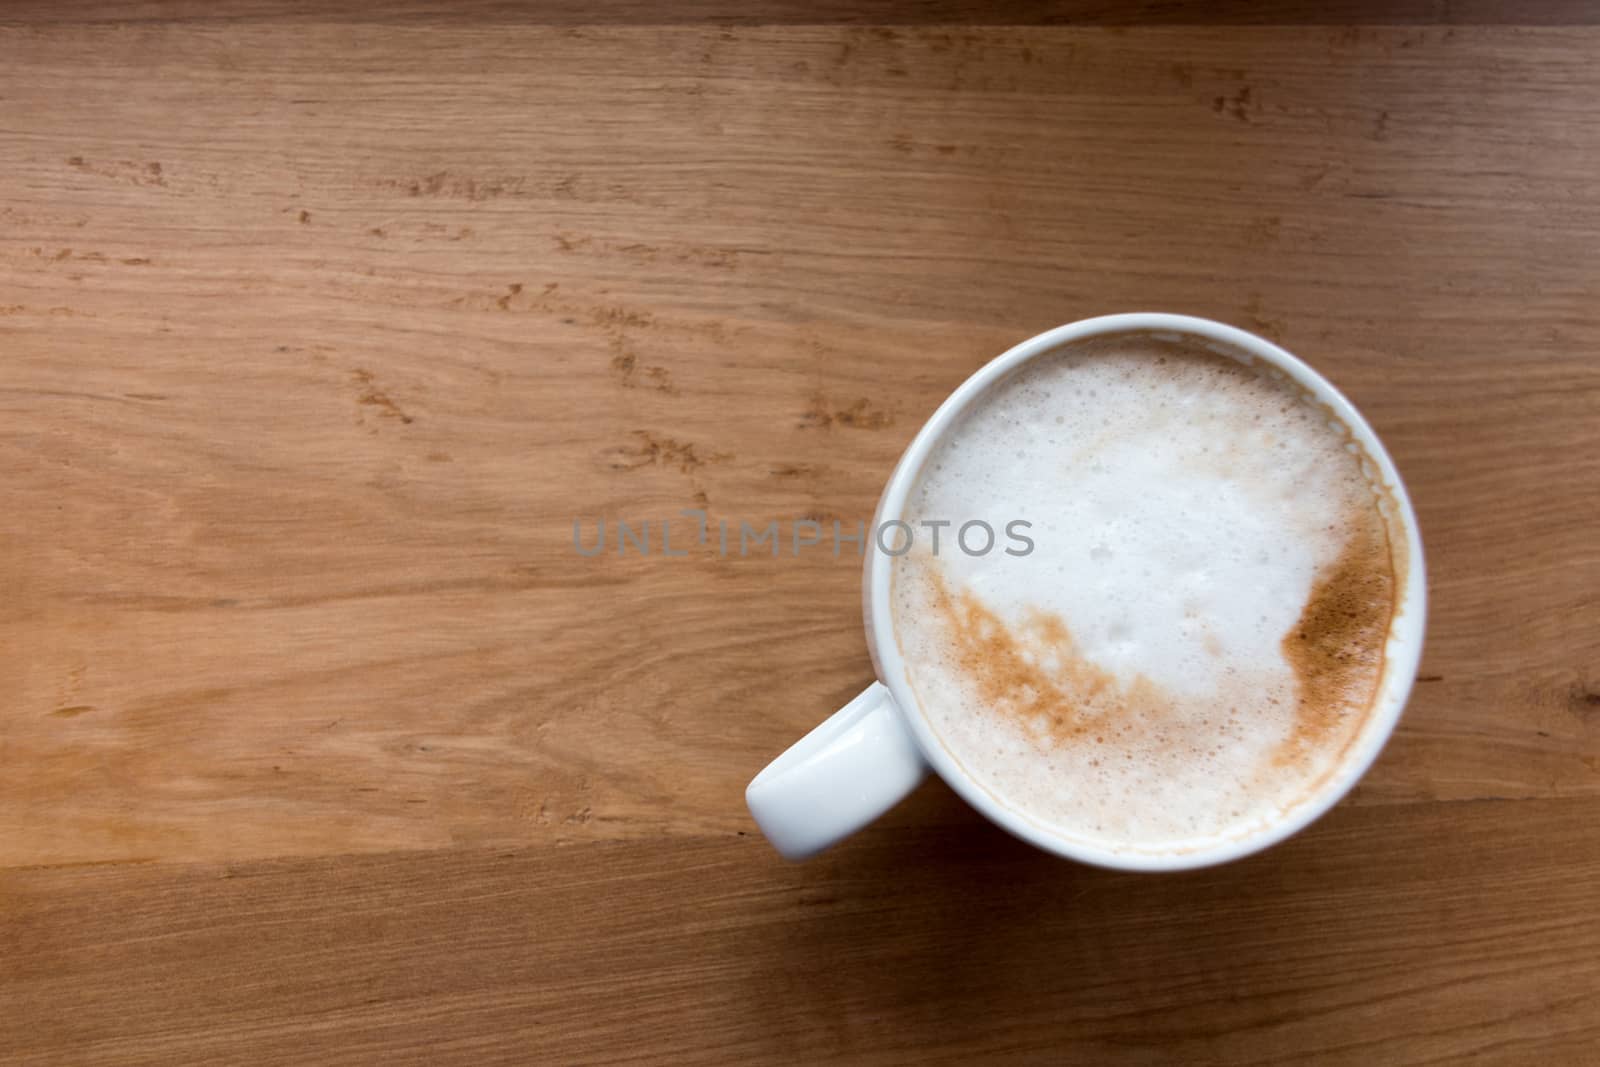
(879, 747)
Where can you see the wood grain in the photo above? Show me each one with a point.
(817, 12)
(1425, 934)
(320, 328)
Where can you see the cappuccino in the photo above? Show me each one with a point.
(1197, 637)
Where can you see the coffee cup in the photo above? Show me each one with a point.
(1215, 710)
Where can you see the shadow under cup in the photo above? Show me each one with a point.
(1401, 646)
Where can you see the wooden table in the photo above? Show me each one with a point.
(319, 328)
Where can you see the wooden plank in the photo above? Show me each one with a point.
(320, 326)
(821, 12)
(1421, 934)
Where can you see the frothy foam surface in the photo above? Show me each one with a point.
(1199, 632)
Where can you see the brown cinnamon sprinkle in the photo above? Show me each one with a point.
(1336, 649)
(1033, 672)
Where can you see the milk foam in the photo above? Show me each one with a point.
(1127, 684)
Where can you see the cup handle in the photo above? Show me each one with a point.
(858, 764)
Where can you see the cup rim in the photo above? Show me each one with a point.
(1403, 650)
